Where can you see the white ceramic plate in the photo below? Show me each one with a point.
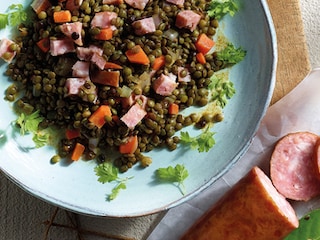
(75, 187)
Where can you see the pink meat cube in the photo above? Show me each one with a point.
(144, 26)
(135, 114)
(187, 19)
(164, 85)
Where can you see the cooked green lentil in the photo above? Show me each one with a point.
(41, 77)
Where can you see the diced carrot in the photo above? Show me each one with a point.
(201, 58)
(62, 16)
(130, 146)
(98, 118)
(111, 65)
(137, 55)
(40, 5)
(105, 34)
(77, 151)
(44, 44)
(173, 108)
(72, 133)
(110, 78)
(204, 43)
(158, 63)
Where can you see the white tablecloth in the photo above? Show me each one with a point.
(25, 217)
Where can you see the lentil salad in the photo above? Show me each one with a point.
(69, 100)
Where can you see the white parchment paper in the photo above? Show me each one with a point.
(297, 111)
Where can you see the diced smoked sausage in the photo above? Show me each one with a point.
(251, 210)
(292, 168)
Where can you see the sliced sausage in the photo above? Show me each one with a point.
(316, 158)
(251, 210)
(292, 168)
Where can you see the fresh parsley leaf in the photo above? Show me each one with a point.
(29, 123)
(221, 90)
(203, 142)
(3, 20)
(107, 172)
(40, 139)
(175, 174)
(16, 14)
(231, 55)
(116, 190)
(13, 16)
(218, 9)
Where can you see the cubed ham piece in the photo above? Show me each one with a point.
(144, 26)
(40, 5)
(5, 53)
(61, 46)
(187, 19)
(139, 4)
(98, 60)
(74, 84)
(114, 2)
(187, 78)
(129, 101)
(73, 4)
(165, 84)
(177, 2)
(103, 19)
(81, 69)
(73, 31)
(86, 53)
(135, 114)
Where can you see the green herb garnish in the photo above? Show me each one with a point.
(203, 142)
(107, 172)
(41, 139)
(218, 9)
(175, 174)
(29, 123)
(221, 90)
(231, 55)
(13, 16)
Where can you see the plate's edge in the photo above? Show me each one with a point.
(88, 212)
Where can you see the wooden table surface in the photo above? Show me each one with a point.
(293, 57)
